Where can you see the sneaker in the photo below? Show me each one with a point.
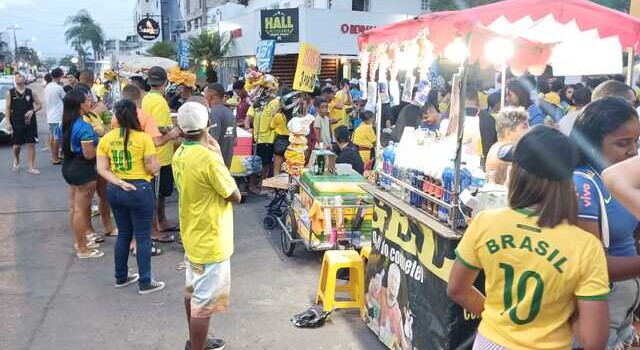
(131, 279)
(212, 344)
(154, 286)
(92, 254)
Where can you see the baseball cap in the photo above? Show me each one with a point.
(156, 76)
(544, 152)
(192, 117)
(354, 81)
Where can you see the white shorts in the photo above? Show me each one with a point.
(208, 287)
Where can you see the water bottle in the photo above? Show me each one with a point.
(388, 155)
(448, 177)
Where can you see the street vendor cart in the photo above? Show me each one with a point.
(419, 217)
(323, 211)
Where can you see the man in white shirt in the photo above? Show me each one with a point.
(53, 96)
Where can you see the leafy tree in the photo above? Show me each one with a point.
(66, 61)
(50, 62)
(28, 55)
(207, 46)
(162, 49)
(84, 31)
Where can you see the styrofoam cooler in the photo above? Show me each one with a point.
(242, 150)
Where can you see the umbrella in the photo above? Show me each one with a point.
(137, 63)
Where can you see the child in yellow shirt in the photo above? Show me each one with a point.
(279, 125)
(364, 137)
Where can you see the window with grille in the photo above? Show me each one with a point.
(360, 5)
(424, 5)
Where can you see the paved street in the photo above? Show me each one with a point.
(51, 300)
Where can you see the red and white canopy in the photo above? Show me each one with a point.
(575, 36)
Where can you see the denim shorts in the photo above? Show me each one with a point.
(208, 287)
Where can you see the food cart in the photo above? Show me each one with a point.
(418, 217)
(324, 211)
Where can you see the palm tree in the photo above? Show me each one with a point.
(208, 48)
(84, 30)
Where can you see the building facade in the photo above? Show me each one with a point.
(330, 25)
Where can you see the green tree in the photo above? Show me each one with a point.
(66, 61)
(83, 31)
(28, 55)
(162, 49)
(207, 46)
(50, 62)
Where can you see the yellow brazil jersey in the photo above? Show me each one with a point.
(96, 122)
(339, 113)
(533, 277)
(127, 165)
(365, 138)
(206, 217)
(279, 124)
(155, 106)
(262, 131)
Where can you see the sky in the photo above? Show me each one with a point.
(42, 21)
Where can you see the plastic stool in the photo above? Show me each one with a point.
(333, 261)
(365, 251)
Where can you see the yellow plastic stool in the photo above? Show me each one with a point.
(333, 261)
(365, 251)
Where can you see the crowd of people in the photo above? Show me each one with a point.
(557, 148)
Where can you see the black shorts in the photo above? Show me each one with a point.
(265, 151)
(281, 144)
(164, 182)
(24, 134)
(78, 171)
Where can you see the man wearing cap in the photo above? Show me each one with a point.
(155, 105)
(206, 191)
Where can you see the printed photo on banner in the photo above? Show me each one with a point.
(406, 285)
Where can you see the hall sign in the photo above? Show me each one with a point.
(281, 25)
(148, 29)
(346, 28)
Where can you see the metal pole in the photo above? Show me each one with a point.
(630, 57)
(503, 84)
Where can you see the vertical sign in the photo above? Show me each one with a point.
(265, 51)
(307, 68)
(183, 54)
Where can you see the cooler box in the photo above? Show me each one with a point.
(244, 143)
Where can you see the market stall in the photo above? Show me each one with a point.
(419, 216)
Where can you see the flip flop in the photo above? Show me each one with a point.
(113, 233)
(171, 229)
(164, 239)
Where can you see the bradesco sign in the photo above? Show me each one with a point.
(281, 25)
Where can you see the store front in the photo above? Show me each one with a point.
(333, 32)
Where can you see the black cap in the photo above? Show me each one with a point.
(156, 76)
(544, 152)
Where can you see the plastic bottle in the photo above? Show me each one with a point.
(448, 177)
(388, 155)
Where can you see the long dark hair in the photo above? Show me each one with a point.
(519, 88)
(595, 121)
(70, 113)
(127, 116)
(552, 201)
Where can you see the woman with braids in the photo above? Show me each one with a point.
(79, 169)
(127, 160)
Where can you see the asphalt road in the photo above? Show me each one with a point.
(49, 299)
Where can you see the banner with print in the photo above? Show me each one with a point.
(406, 285)
(265, 50)
(183, 54)
(307, 68)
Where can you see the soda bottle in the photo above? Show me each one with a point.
(448, 176)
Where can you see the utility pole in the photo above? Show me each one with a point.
(15, 41)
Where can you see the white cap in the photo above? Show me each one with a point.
(354, 81)
(192, 116)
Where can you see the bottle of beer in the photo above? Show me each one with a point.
(320, 160)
